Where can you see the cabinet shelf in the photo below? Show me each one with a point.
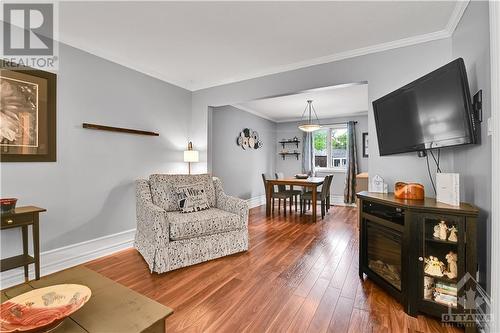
(440, 241)
(442, 279)
(438, 303)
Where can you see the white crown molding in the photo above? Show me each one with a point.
(442, 34)
(346, 115)
(329, 58)
(456, 16)
(252, 111)
(72, 255)
(447, 32)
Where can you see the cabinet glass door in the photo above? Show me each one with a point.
(440, 257)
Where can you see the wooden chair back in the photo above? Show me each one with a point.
(280, 175)
(264, 179)
(325, 189)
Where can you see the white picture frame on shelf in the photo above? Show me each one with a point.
(448, 188)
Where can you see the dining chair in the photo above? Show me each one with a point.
(322, 195)
(276, 195)
(282, 188)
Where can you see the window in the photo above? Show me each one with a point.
(330, 148)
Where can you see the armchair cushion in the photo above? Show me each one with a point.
(164, 194)
(202, 223)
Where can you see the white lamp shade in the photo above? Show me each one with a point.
(191, 156)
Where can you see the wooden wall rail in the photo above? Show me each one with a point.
(118, 129)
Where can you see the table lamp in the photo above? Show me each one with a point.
(190, 155)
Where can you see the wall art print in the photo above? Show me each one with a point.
(27, 116)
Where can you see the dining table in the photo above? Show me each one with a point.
(310, 183)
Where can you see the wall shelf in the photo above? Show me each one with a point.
(284, 155)
(118, 129)
(285, 142)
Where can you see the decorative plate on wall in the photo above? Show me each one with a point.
(249, 139)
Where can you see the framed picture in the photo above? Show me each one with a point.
(27, 116)
(365, 144)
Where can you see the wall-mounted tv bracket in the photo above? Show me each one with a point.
(477, 106)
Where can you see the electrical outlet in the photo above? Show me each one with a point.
(490, 127)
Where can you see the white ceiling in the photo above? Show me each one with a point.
(329, 102)
(197, 45)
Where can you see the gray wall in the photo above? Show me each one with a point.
(291, 166)
(471, 42)
(240, 170)
(89, 191)
(384, 71)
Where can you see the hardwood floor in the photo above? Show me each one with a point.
(298, 276)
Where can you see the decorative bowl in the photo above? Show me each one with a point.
(42, 309)
(7, 205)
(301, 176)
(411, 191)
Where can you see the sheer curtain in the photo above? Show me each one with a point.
(308, 154)
(352, 165)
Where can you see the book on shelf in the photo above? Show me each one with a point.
(445, 299)
(446, 292)
(446, 286)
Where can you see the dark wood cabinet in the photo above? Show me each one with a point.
(397, 241)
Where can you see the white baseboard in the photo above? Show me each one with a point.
(256, 201)
(338, 200)
(72, 255)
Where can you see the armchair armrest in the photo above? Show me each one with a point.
(151, 219)
(230, 204)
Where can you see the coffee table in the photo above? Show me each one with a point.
(112, 307)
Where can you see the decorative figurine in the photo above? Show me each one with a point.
(433, 266)
(453, 237)
(378, 185)
(440, 231)
(452, 259)
(428, 287)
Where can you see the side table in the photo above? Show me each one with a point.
(22, 217)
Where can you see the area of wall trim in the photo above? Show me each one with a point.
(68, 256)
(495, 195)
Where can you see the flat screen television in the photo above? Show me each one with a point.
(433, 111)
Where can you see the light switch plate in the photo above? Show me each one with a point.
(490, 127)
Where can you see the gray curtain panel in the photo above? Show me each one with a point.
(308, 154)
(352, 165)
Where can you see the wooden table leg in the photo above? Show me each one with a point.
(314, 198)
(36, 247)
(25, 251)
(268, 200)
